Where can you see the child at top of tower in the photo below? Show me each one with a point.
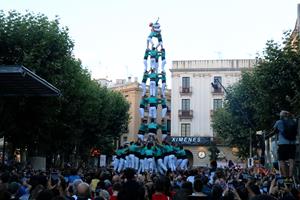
(155, 32)
(155, 27)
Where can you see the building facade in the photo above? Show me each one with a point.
(104, 82)
(132, 92)
(196, 92)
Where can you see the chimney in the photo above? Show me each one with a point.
(129, 79)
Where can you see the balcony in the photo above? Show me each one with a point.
(217, 91)
(185, 90)
(185, 114)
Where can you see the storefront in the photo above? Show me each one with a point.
(198, 150)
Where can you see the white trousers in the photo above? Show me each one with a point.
(116, 164)
(143, 89)
(161, 165)
(171, 163)
(152, 112)
(121, 165)
(150, 164)
(160, 170)
(163, 90)
(126, 162)
(156, 67)
(131, 161)
(149, 40)
(184, 163)
(142, 112)
(178, 162)
(145, 65)
(141, 166)
(163, 63)
(166, 161)
(146, 165)
(136, 163)
(153, 64)
(152, 88)
(164, 112)
(141, 137)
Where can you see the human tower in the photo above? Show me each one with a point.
(147, 154)
(155, 53)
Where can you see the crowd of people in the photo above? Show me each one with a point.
(105, 184)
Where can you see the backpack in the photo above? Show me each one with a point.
(290, 127)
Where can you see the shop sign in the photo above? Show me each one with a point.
(191, 141)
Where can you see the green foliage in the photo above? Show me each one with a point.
(232, 130)
(86, 115)
(254, 102)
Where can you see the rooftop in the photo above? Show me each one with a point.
(213, 65)
(17, 80)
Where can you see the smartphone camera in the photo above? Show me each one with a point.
(280, 182)
(54, 178)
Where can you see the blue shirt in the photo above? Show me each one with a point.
(72, 178)
(281, 139)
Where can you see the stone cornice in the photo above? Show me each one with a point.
(210, 69)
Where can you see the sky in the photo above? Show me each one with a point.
(110, 35)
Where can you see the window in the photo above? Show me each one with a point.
(217, 84)
(185, 104)
(217, 104)
(185, 129)
(217, 80)
(185, 82)
(125, 139)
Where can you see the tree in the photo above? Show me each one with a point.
(85, 115)
(230, 129)
(254, 102)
